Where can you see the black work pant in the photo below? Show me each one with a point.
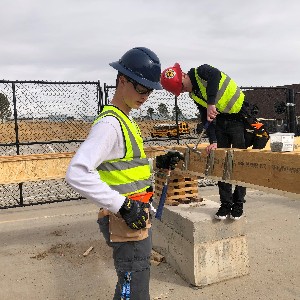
(230, 133)
(133, 257)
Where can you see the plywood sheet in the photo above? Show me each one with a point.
(22, 168)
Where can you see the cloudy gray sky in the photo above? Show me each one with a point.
(255, 42)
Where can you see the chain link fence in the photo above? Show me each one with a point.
(276, 107)
(48, 117)
(44, 117)
(159, 111)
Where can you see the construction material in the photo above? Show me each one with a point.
(202, 250)
(182, 187)
(87, 252)
(34, 167)
(260, 169)
(277, 172)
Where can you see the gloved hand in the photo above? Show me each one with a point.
(261, 137)
(256, 135)
(134, 214)
(169, 160)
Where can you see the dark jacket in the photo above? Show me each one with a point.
(212, 76)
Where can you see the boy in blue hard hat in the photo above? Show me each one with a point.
(111, 169)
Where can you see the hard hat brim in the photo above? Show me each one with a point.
(143, 81)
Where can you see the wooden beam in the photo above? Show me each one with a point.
(276, 170)
(262, 169)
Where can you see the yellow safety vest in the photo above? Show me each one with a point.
(130, 174)
(229, 98)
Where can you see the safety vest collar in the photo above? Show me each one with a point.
(130, 144)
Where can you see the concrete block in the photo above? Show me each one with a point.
(202, 250)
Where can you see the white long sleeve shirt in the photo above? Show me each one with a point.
(104, 142)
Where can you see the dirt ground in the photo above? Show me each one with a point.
(41, 254)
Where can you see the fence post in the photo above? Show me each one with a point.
(291, 113)
(100, 97)
(16, 117)
(17, 137)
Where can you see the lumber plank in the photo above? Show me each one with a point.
(35, 167)
(276, 170)
(260, 169)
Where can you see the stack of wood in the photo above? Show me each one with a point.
(182, 187)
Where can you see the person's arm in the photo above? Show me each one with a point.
(104, 142)
(212, 76)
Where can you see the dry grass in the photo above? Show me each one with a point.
(43, 131)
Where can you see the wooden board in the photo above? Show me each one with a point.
(276, 170)
(35, 167)
(260, 168)
(257, 168)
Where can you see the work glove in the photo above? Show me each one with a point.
(256, 135)
(134, 214)
(169, 160)
(261, 137)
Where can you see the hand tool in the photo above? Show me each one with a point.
(163, 197)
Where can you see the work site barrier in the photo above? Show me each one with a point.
(55, 117)
(277, 107)
(39, 117)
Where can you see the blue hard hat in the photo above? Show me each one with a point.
(142, 65)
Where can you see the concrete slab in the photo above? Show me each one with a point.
(203, 250)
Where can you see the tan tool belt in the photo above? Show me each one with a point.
(119, 231)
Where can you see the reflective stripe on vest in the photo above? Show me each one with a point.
(130, 174)
(229, 97)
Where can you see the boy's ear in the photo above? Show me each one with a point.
(122, 79)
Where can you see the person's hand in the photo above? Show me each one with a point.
(210, 147)
(134, 214)
(211, 112)
(169, 160)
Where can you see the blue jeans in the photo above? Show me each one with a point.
(133, 257)
(230, 133)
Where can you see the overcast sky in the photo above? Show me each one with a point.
(256, 42)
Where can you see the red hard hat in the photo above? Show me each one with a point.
(171, 79)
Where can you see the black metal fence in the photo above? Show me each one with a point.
(44, 117)
(277, 107)
(47, 117)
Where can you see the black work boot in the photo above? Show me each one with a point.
(223, 212)
(236, 211)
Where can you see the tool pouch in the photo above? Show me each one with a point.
(120, 232)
